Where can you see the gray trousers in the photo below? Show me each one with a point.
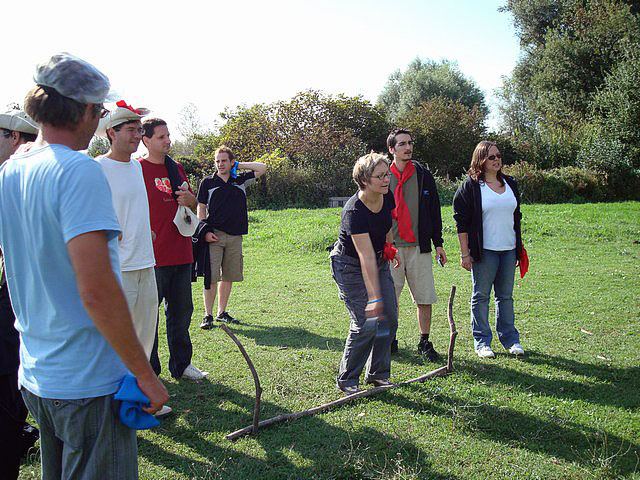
(83, 439)
(362, 345)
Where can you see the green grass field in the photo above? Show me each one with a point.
(569, 409)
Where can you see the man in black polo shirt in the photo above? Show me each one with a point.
(222, 203)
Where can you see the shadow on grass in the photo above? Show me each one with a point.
(289, 337)
(609, 386)
(192, 443)
(547, 434)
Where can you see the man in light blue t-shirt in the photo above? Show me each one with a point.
(59, 234)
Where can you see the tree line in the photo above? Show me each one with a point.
(569, 116)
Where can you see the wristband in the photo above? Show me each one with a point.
(464, 256)
(375, 301)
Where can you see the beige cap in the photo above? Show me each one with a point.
(18, 121)
(122, 114)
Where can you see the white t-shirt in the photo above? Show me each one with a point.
(497, 218)
(132, 209)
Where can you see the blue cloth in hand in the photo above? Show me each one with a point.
(234, 170)
(132, 398)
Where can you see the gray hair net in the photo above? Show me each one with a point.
(74, 78)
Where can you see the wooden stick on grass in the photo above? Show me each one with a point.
(256, 410)
(341, 401)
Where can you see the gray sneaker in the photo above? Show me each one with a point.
(163, 412)
(193, 373)
(516, 349)
(485, 352)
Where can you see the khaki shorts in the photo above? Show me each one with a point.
(226, 257)
(417, 268)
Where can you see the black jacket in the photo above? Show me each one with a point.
(429, 215)
(201, 260)
(467, 212)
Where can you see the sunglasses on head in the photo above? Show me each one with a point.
(493, 157)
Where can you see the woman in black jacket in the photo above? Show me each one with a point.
(487, 214)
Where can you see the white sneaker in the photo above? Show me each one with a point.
(193, 373)
(485, 352)
(516, 349)
(163, 412)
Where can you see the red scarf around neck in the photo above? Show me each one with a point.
(401, 213)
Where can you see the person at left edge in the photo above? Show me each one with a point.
(16, 129)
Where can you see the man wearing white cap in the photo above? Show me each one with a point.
(59, 233)
(16, 128)
(123, 128)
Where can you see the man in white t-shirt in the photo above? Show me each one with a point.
(123, 129)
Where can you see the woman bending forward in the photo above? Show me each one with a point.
(360, 268)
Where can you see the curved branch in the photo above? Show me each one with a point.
(453, 333)
(438, 372)
(256, 410)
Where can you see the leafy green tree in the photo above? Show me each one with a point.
(570, 47)
(98, 146)
(319, 135)
(616, 106)
(446, 132)
(425, 80)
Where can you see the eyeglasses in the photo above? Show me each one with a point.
(493, 157)
(98, 109)
(133, 130)
(6, 133)
(383, 176)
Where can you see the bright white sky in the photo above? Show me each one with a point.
(163, 55)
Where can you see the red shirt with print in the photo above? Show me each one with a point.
(169, 246)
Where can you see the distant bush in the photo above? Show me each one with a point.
(284, 186)
(557, 185)
(447, 189)
(612, 161)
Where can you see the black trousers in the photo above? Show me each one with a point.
(13, 414)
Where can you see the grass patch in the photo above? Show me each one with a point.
(569, 409)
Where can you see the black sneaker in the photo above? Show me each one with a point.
(394, 346)
(225, 317)
(207, 322)
(426, 348)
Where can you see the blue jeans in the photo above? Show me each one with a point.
(174, 287)
(83, 439)
(496, 269)
(363, 346)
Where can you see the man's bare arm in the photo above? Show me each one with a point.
(258, 168)
(106, 304)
